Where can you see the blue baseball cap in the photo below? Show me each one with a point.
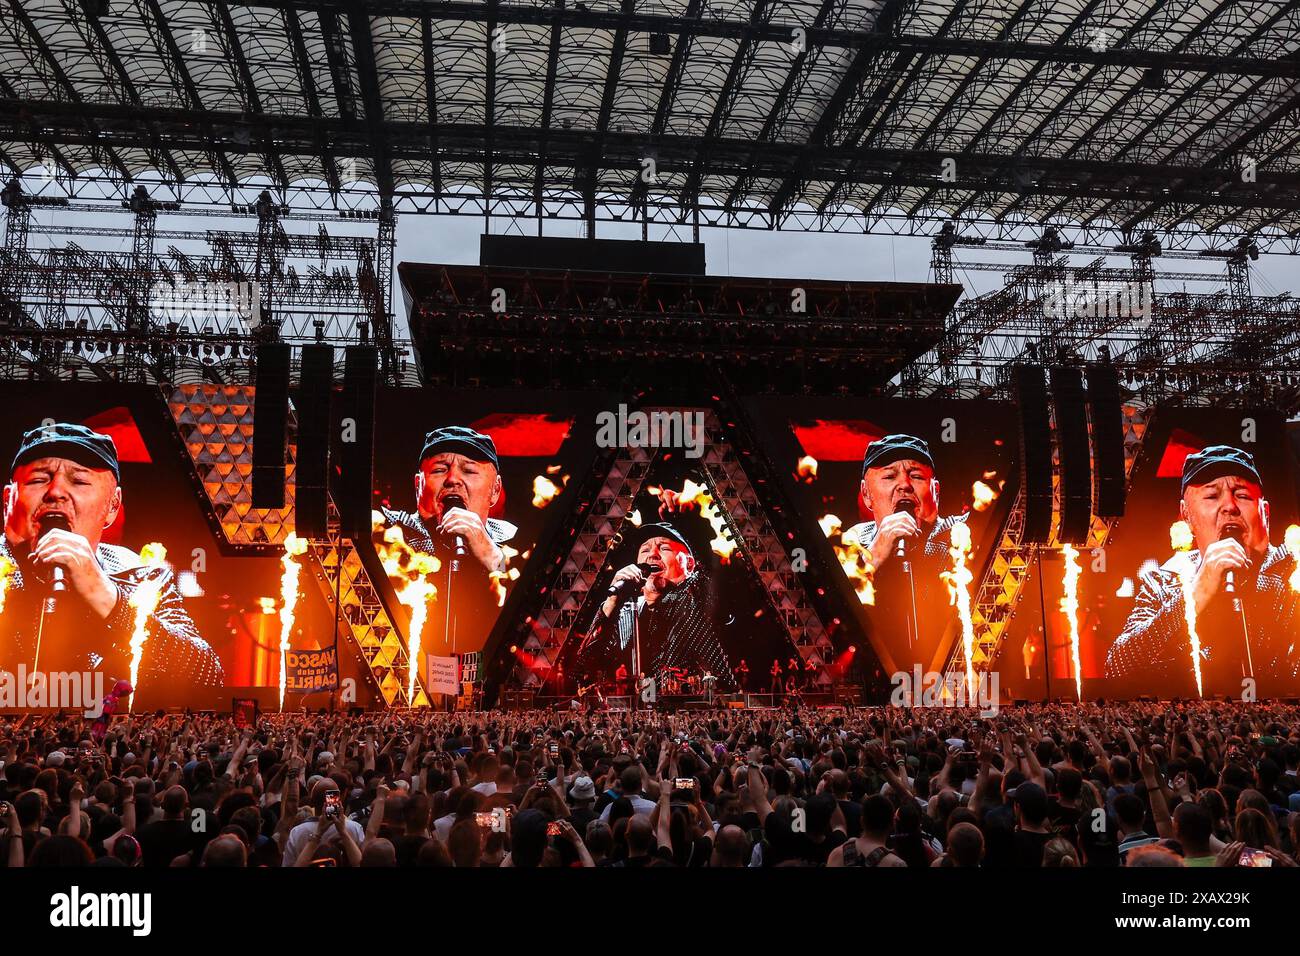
(66, 440)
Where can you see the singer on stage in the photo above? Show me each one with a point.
(901, 492)
(457, 482)
(67, 606)
(1246, 610)
(661, 607)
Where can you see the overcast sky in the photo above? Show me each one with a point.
(794, 255)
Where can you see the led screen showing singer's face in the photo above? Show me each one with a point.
(1228, 507)
(87, 497)
(904, 480)
(676, 562)
(448, 473)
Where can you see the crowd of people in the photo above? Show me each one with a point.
(1091, 785)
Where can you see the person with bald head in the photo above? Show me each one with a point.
(731, 849)
(227, 850)
(67, 605)
(1246, 611)
(161, 841)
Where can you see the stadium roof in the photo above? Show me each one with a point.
(835, 115)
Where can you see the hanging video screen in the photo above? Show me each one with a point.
(907, 497)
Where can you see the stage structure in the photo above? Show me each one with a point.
(837, 115)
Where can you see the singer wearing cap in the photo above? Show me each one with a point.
(68, 603)
(1240, 588)
(662, 603)
(457, 483)
(900, 491)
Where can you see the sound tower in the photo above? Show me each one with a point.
(311, 472)
(1076, 463)
(1107, 417)
(357, 457)
(1035, 452)
(270, 421)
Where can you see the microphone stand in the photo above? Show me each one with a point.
(1230, 587)
(913, 634)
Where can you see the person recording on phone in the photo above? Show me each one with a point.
(457, 483)
(67, 605)
(1245, 608)
(659, 607)
(907, 540)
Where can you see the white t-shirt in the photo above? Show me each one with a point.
(300, 834)
(639, 805)
(488, 788)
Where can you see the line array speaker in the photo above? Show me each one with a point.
(357, 444)
(1035, 452)
(270, 421)
(311, 472)
(1076, 463)
(1107, 417)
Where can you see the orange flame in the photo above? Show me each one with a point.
(1180, 536)
(853, 558)
(693, 494)
(545, 490)
(145, 601)
(806, 469)
(294, 546)
(408, 570)
(497, 579)
(984, 494)
(7, 569)
(1070, 608)
(1292, 542)
(958, 581)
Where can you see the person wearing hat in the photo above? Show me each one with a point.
(457, 483)
(63, 493)
(659, 605)
(900, 491)
(1245, 609)
(457, 462)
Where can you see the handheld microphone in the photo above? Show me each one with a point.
(455, 501)
(631, 586)
(1230, 579)
(901, 545)
(46, 524)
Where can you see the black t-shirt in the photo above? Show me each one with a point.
(1029, 847)
(580, 817)
(164, 840)
(852, 816)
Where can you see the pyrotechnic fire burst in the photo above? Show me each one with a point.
(409, 572)
(697, 495)
(7, 568)
(545, 490)
(958, 581)
(855, 560)
(294, 546)
(806, 469)
(1070, 608)
(1292, 542)
(145, 601)
(1180, 536)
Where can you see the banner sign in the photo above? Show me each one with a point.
(441, 675)
(469, 667)
(310, 671)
